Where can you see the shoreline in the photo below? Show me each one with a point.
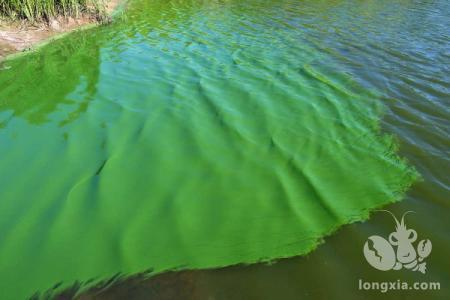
(20, 37)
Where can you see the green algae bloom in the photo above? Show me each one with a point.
(184, 136)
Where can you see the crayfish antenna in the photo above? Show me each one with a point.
(403, 217)
(397, 223)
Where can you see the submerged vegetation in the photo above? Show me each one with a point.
(34, 10)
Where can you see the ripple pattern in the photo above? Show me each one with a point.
(189, 134)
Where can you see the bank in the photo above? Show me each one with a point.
(18, 36)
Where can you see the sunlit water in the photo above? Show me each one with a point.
(202, 134)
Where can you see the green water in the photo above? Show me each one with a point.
(189, 135)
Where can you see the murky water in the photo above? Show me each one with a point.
(200, 134)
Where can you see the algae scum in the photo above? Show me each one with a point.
(186, 135)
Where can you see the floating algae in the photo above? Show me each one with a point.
(187, 135)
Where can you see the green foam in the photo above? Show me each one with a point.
(186, 135)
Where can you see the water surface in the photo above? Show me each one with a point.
(201, 134)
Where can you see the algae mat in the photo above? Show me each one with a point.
(185, 135)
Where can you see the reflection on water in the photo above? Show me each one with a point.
(62, 78)
(169, 66)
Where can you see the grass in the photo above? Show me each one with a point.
(37, 10)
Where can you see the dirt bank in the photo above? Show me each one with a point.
(17, 36)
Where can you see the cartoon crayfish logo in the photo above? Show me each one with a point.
(398, 251)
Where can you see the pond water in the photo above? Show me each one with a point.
(207, 134)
